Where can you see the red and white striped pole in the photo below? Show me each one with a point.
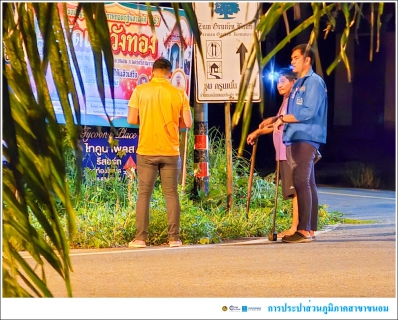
(201, 148)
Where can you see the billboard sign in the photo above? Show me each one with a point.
(134, 48)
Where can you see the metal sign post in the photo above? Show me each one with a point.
(228, 145)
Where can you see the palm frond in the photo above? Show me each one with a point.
(379, 14)
(34, 181)
(98, 31)
(193, 23)
(343, 43)
(372, 24)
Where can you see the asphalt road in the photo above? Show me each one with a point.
(346, 261)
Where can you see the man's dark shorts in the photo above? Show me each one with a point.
(288, 190)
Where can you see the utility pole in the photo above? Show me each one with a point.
(201, 148)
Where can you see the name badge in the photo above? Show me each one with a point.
(293, 94)
(299, 101)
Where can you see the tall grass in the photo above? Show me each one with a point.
(106, 208)
(362, 175)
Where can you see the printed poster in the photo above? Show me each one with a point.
(135, 48)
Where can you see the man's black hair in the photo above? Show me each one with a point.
(288, 73)
(306, 53)
(162, 63)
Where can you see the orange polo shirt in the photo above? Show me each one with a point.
(159, 105)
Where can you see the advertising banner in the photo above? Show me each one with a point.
(109, 161)
(135, 48)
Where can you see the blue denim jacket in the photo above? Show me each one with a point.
(308, 102)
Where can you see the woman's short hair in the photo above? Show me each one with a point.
(288, 73)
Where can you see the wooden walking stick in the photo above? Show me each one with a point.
(249, 189)
(273, 236)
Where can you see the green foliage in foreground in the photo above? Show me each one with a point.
(105, 209)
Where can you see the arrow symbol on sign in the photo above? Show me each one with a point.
(242, 51)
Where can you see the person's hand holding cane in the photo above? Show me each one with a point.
(252, 138)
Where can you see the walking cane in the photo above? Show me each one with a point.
(273, 236)
(249, 189)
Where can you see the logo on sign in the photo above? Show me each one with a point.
(226, 9)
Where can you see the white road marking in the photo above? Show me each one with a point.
(355, 195)
(127, 250)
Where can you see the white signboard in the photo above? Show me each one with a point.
(218, 80)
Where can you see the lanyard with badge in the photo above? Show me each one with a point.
(299, 100)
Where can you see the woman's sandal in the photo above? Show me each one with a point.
(285, 233)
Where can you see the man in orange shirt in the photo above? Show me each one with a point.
(161, 110)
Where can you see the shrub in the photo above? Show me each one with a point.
(106, 208)
(362, 175)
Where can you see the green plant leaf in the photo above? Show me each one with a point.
(379, 14)
(193, 23)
